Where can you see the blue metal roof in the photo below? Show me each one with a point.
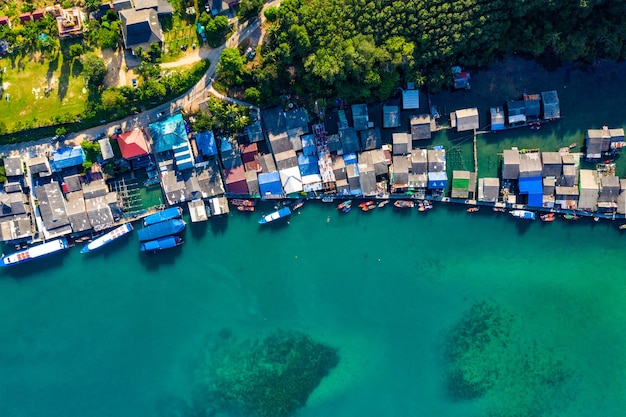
(533, 186)
(168, 133)
(308, 165)
(67, 157)
(206, 143)
(437, 180)
(269, 183)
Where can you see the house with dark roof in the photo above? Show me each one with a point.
(391, 116)
(77, 213)
(39, 165)
(52, 210)
(4, 46)
(140, 28)
(13, 166)
(162, 7)
(5, 21)
(120, 5)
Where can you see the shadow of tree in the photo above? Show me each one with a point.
(53, 65)
(77, 68)
(64, 77)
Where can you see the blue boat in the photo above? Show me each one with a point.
(34, 252)
(159, 230)
(161, 244)
(276, 215)
(163, 215)
(107, 238)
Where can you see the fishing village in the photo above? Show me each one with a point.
(354, 156)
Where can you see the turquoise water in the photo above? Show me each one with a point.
(119, 333)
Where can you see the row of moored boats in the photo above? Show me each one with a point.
(422, 205)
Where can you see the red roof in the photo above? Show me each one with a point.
(4, 20)
(38, 14)
(25, 17)
(132, 144)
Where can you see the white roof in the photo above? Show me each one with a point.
(106, 149)
(291, 180)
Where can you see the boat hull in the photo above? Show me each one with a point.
(107, 238)
(159, 230)
(163, 243)
(276, 215)
(164, 215)
(35, 252)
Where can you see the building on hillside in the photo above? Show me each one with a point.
(349, 140)
(170, 141)
(254, 132)
(205, 142)
(5, 21)
(13, 168)
(140, 28)
(465, 119)
(119, 5)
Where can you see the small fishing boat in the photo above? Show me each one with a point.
(573, 145)
(276, 215)
(297, 204)
(383, 203)
(571, 217)
(622, 226)
(473, 209)
(428, 205)
(548, 217)
(163, 243)
(246, 208)
(404, 204)
(523, 214)
(499, 209)
(344, 205)
(367, 205)
(243, 202)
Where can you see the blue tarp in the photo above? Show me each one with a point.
(206, 143)
(308, 165)
(67, 157)
(532, 186)
(350, 158)
(269, 183)
(437, 180)
(308, 145)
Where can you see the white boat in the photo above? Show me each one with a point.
(35, 252)
(278, 214)
(523, 214)
(108, 238)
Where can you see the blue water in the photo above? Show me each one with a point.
(119, 332)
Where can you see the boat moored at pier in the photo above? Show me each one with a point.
(35, 252)
(163, 215)
(276, 215)
(107, 238)
(160, 244)
(162, 229)
(404, 204)
(523, 214)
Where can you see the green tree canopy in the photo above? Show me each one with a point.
(94, 69)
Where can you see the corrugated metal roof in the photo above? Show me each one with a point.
(410, 99)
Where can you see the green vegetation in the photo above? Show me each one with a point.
(272, 377)
(105, 34)
(361, 50)
(249, 8)
(490, 354)
(222, 117)
(216, 28)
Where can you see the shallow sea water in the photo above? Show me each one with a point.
(118, 333)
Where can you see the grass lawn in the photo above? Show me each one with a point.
(26, 79)
(178, 32)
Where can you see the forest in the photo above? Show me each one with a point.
(365, 49)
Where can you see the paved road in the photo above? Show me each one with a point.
(195, 95)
